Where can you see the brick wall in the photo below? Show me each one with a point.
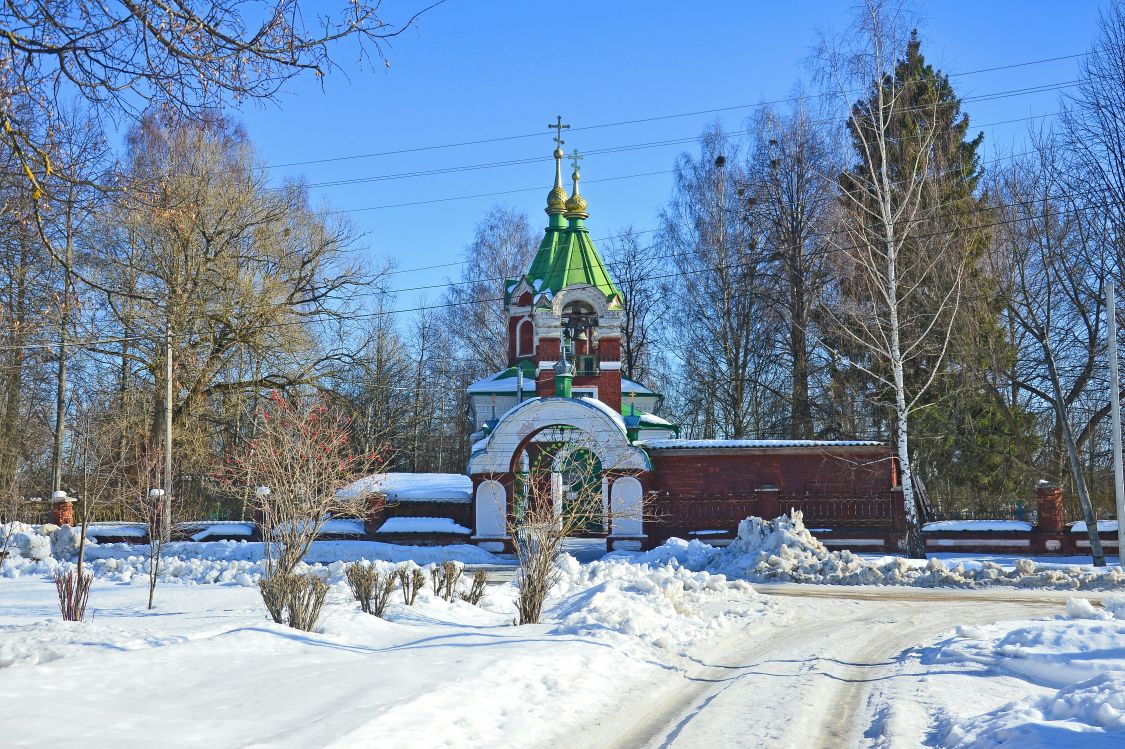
(715, 489)
(818, 471)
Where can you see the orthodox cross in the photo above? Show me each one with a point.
(575, 158)
(559, 126)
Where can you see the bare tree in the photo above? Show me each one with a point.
(636, 268)
(790, 183)
(299, 459)
(503, 247)
(118, 56)
(561, 495)
(249, 284)
(1052, 264)
(719, 323)
(1094, 122)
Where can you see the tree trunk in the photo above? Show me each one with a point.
(1072, 454)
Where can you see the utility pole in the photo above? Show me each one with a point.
(1115, 412)
(166, 520)
(60, 377)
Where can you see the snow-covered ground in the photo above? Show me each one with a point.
(784, 550)
(208, 668)
(660, 648)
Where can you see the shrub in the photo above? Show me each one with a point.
(411, 579)
(295, 600)
(476, 590)
(74, 591)
(443, 579)
(362, 579)
(384, 586)
(372, 589)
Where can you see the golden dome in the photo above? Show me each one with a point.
(556, 199)
(576, 204)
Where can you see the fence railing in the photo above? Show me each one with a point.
(869, 511)
(879, 510)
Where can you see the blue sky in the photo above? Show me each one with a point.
(482, 70)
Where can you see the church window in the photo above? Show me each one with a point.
(525, 339)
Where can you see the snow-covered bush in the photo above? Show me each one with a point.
(476, 589)
(410, 579)
(295, 600)
(371, 587)
(444, 578)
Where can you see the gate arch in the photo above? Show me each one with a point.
(604, 428)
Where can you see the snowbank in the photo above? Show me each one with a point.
(665, 606)
(415, 487)
(784, 550)
(39, 550)
(977, 526)
(423, 525)
(1081, 662)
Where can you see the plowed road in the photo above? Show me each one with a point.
(825, 679)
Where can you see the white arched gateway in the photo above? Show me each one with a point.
(493, 464)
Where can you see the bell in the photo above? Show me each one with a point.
(581, 335)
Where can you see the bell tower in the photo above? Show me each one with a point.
(566, 312)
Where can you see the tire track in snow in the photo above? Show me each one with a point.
(806, 681)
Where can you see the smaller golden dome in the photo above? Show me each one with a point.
(576, 204)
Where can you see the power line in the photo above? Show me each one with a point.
(655, 144)
(642, 120)
(448, 284)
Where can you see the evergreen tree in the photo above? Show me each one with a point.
(969, 447)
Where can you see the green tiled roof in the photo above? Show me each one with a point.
(567, 257)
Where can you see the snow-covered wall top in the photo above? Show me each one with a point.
(678, 444)
(415, 487)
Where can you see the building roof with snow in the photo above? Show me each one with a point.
(414, 487)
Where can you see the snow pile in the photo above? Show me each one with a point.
(784, 550)
(39, 550)
(25, 541)
(1089, 714)
(665, 606)
(1080, 659)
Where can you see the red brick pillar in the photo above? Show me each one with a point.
(768, 502)
(62, 512)
(1049, 498)
(376, 513)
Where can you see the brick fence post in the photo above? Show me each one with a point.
(768, 502)
(376, 513)
(1049, 500)
(62, 509)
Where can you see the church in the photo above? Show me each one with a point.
(561, 422)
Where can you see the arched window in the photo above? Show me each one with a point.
(525, 338)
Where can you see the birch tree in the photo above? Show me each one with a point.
(903, 283)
